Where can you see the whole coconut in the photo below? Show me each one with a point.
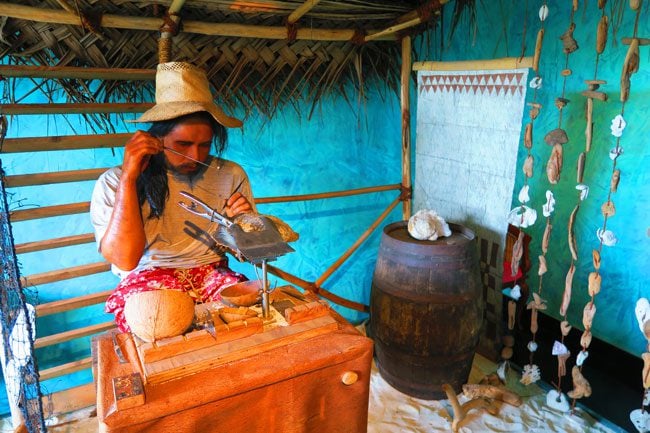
(159, 314)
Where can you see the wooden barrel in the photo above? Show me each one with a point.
(426, 310)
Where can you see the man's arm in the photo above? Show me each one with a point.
(124, 241)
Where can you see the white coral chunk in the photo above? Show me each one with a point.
(428, 225)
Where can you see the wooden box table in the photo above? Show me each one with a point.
(310, 381)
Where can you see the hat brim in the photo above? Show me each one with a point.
(172, 110)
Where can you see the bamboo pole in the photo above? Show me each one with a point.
(356, 244)
(64, 142)
(65, 274)
(18, 180)
(73, 334)
(153, 24)
(406, 21)
(45, 109)
(301, 10)
(406, 125)
(20, 71)
(166, 34)
(323, 195)
(49, 244)
(317, 290)
(469, 65)
(49, 211)
(72, 303)
(62, 370)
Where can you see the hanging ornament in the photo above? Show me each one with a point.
(549, 206)
(582, 356)
(607, 237)
(615, 152)
(584, 191)
(558, 401)
(531, 374)
(535, 83)
(523, 195)
(543, 12)
(618, 125)
(522, 216)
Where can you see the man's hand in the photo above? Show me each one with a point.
(137, 152)
(237, 204)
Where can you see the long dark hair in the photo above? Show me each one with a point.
(152, 182)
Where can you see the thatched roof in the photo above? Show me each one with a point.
(254, 58)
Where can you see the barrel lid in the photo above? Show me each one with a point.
(460, 235)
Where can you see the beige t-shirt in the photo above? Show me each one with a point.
(176, 239)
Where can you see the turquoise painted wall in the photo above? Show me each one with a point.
(340, 147)
(625, 267)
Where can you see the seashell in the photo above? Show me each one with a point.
(554, 164)
(618, 125)
(581, 167)
(642, 312)
(543, 12)
(565, 328)
(506, 353)
(595, 256)
(608, 209)
(588, 315)
(601, 35)
(573, 246)
(515, 292)
(549, 206)
(428, 225)
(606, 237)
(566, 296)
(532, 346)
(582, 356)
(566, 72)
(528, 136)
(535, 83)
(523, 194)
(595, 281)
(585, 339)
(542, 266)
(559, 349)
(616, 177)
(528, 166)
(522, 216)
(547, 236)
(508, 340)
(584, 191)
(556, 136)
(568, 42)
(615, 152)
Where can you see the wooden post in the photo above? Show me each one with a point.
(406, 125)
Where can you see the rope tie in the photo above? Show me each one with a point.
(359, 37)
(292, 31)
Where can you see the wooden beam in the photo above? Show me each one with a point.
(437, 4)
(70, 400)
(642, 41)
(21, 71)
(65, 274)
(75, 108)
(153, 24)
(301, 10)
(393, 29)
(62, 370)
(406, 124)
(18, 180)
(471, 65)
(323, 195)
(49, 244)
(72, 304)
(49, 211)
(64, 142)
(61, 337)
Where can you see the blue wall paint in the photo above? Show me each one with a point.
(625, 267)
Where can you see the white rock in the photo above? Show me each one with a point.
(582, 356)
(607, 237)
(523, 195)
(641, 420)
(532, 346)
(618, 125)
(557, 401)
(559, 348)
(549, 206)
(535, 83)
(522, 216)
(543, 12)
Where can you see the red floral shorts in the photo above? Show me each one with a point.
(203, 283)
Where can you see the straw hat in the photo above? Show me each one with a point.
(182, 88)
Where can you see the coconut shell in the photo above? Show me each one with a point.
(159, 314)
(556, 136)
(244, 294)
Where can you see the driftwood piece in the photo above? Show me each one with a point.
(538, 49)
(595, 255)
(547, 236)
(565, 328)
(512, 310)
(554, 164)
(581, 387)
(601, 35)
(517, 253)
(528, 134)
(561, 363)
(542, 266)
(616, 178)
(595, 281)
(585, 339)
(492, 392)
(573, 246)
(589, 129)
(460, 411)
(630, 66)
(566, 296)
(581, 167)
(528, 166)
(608, 209)
(588, 315)
(568, 42)
(646, 370)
